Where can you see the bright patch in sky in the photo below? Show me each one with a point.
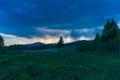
(12, 39)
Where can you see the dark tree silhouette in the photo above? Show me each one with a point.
(114, 30)
(110, 31)
(97, 38)
(96, 43)
(60, 42)
(1, 41)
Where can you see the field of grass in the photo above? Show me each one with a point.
(59, 65)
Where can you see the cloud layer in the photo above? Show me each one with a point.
(48, 19)
(49, 36)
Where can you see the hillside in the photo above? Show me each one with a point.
(42, 46)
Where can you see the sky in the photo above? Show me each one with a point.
(29, 21)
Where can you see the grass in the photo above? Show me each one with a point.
(70, 66)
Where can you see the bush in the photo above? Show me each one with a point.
(3, 50)
(32, 69)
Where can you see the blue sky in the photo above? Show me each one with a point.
(28, 21)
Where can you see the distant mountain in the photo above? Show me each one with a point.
(34, 44)
(37, 46)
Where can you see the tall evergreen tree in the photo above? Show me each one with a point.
(96, 43)
(110, 31)
(1, 41)
(114, 29)
(60, 42)
(105, 33)
(97, 38)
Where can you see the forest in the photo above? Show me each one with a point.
(108, 41)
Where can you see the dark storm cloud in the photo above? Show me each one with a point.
(37, 12)
(20, 17)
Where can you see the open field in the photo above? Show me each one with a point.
(59, 65)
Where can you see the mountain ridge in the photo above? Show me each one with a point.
(33, 44)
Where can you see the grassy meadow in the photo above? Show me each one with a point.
(59, 64)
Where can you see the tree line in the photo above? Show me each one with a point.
(108, 41)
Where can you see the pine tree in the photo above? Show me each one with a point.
(110, 31)
(105, 33)
(60, 42)
(96, 43)
(1, 41)
(114, 30)
(97, 38)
